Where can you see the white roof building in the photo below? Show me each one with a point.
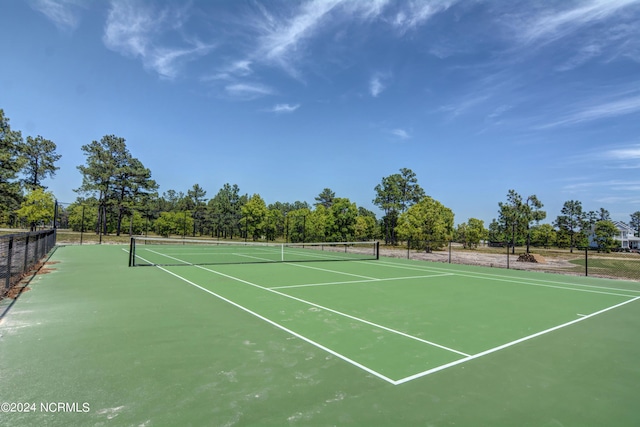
(626, 237)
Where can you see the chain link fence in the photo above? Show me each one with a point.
(576, 261)
(19, 253)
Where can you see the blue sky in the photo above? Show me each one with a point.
(285, 98)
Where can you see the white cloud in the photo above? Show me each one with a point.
(248, 91)
(63, 13)
(553, 24)
(620, 107)
(606, 191)
(626, 153)
(417, 12)
(129, 30)
(284, 108)
(242, 67)
(231, 71)
(454, 110)
(625, 186)
(133, 30)
(167, 61)
(622, 158)
(584, 54)
(400, 133)
(375, 86)
(616, 158)
(596, 29)
(281, 38)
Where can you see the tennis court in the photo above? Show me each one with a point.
(196, 339)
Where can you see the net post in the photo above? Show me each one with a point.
(377, 249)
(132, 249)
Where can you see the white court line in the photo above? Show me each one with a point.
(279, 326)
(557, 282)
(254, 257)
(371, 371)
(332, 271)
(361, 281)
(524, 281)
(512, 343)
(376, 325)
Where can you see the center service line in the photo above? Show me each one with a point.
(289, 331)
(394, 331)
(376, 325)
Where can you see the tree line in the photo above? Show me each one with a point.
(519, 219)
(118, 195)
(24, 165)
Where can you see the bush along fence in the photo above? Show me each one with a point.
(19, 253)
(582, 261)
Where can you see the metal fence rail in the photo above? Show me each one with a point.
(19, 253)
(576, 261)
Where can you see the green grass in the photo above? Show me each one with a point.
(625, 266)
(145, 347)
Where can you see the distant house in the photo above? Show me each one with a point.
(626, 238)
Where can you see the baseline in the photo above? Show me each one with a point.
(510, 344)
(409, 378)
(523, 281)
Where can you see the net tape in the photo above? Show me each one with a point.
(165, 251)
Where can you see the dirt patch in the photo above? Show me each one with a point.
(21, 285)
(17, 290)
(46, 270)
(483, 259)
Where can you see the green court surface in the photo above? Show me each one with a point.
(364, 342)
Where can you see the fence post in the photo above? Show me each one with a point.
(586, 261)
(408, 248)
(82, 224)
(508, 255)
(449, 251)
(55, 215)
(26, 253)
(9, 255)
(36, 251)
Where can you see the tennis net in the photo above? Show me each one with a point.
(165, 251)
